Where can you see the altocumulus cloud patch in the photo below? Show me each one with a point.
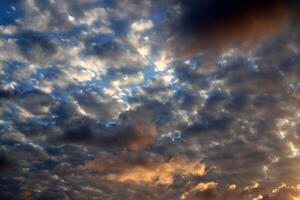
(172, 99)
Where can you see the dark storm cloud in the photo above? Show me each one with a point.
(214, 24)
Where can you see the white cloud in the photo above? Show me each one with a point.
(142, 25)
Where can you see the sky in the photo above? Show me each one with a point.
(149, 99)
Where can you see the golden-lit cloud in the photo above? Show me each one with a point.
(150, 171)
(232, 187)
(259, 197)
(201, 187)
(254, 185)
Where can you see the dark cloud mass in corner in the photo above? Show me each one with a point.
(213, 24)
(152, 100)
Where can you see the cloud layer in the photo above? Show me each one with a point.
(222, 24)
(173, 99)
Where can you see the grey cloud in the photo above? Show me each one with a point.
(43, 102)
(115, 54)
(36, 46)
(132, 135)
(99, 106)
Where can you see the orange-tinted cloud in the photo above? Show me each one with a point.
(229, 23)
(296, 94)
(148, 171)
(232, 187)
(296, 197)
(200, 188)
(143, 134)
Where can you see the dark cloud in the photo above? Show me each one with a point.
(210, 123)
(4, 94)
(115, 53)
(53, 196)
(124, 134)
(217, 24)
(43, 102)
(5, 162)
(36, 47)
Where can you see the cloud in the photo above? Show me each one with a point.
(98, 106)
(35, 46)
(125, 134)
(114, 54)
(43, 102)
(4, 94)
(142, 25)
(198, 189)
(143, 134)
(144, 170)
(218, 24)
(93, 77)
(53, 196)
(5, 162)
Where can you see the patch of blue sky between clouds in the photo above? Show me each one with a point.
(10, 11)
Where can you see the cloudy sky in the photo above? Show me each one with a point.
(149, 99)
